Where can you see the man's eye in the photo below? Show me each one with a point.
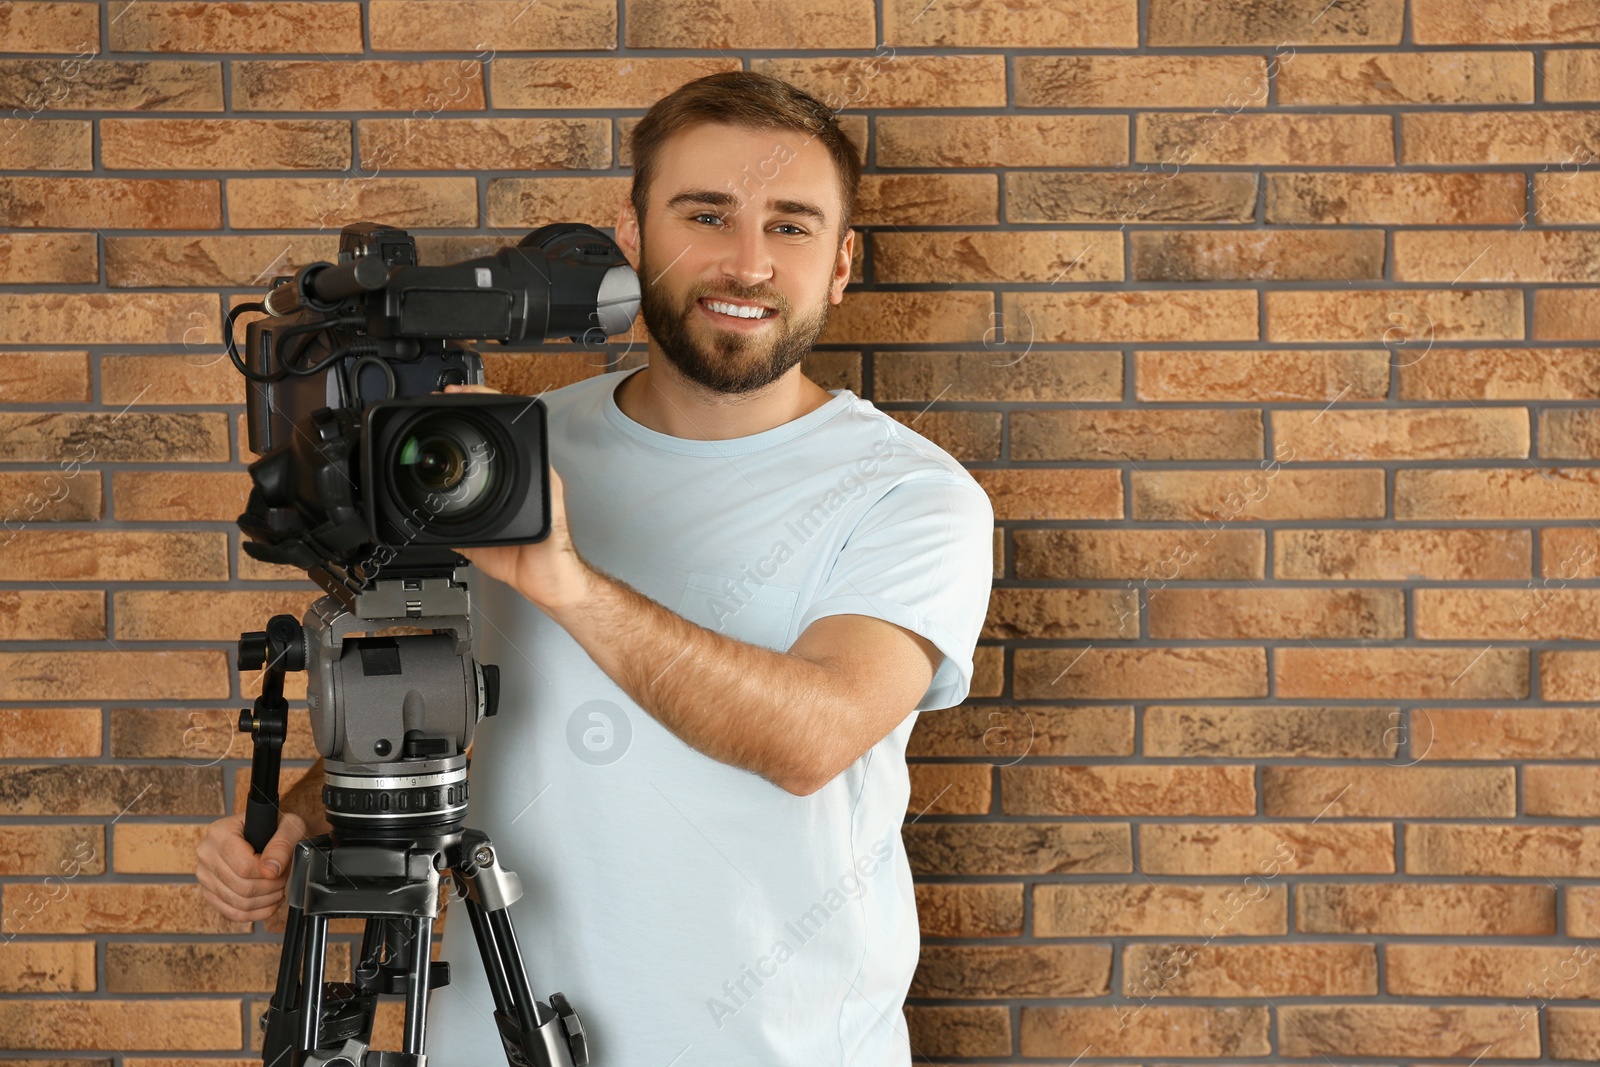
(793, 227)
(707, 215)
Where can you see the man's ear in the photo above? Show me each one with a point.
(841, 268)
(628, 233)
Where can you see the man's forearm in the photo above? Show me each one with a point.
(305, 800)
(738, 703)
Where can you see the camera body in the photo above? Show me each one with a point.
(365, 463)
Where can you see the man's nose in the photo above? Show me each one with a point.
(747, 257)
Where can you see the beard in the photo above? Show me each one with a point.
(726, 361)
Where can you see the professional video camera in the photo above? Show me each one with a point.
(368, 478)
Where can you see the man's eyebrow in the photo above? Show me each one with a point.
(717, 198)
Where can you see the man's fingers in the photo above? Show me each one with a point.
(234, 906)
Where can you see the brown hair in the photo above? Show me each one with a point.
(742, 98)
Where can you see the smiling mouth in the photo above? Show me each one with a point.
(737, 312)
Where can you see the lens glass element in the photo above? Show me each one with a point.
(445, 468)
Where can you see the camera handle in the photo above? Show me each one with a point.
(275, 651)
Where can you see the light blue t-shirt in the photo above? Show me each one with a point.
(694, 913)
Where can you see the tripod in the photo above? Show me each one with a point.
(396, 823)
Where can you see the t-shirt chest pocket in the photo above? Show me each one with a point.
(755, 614)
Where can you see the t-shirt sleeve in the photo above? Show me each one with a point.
(922, 557)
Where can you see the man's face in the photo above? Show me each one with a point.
(729, 222)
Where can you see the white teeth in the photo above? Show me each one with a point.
(736, 310)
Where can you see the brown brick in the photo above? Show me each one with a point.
(50, 26)
(67, 494)
(48, 967)
(1426, 433)
(43, 144)
(204, 261)
(1331, 374)
(271, 203)
(1403, 555)
(1414, 317)
(1136, 673)
(1467, 137)
(473, 144)
(989, 971)
(561, 82)
(1557, 790)
(1106, 909)
(1276, 614)
(1261, 732)
(740, 24)
(1532, 614)
(1569, 552)
(1136, 434)
(1391, 1030)
(198, 736)
(1149, 196)
(1192, 23)
(1059, 613)
(532, 373)
(179, 496)
(110, 203)
(60, 733)
(1574, 1033)
(1499, 22)
(1154, 969)
(1128, 790)
(1052, 494)
(173, 615)
(98, 907)
(1070, 81)
(1427, 673)
(1396, 198)
(1569, 433)
(1426, 909)
(947, 910)
(1187, 315)
(959, 1031)
(234, 27)
(1497, 493)
(57, 851)
(146, 967)
(1572, 74)
(111, 675)
(225, 144)
(47, 258)
(1513, 733)
(1389, 792)
(170, 379)
(1004, 735)
(41, 437)
(515, 202)
(34, 85)
(57, 1022)
(52, 615)
(1344, 78)
(1147, 554)
(429, 85)
(1566, 314)
(908, 317)
(1256, 495)
(976, 849)
(1487, 256)
(1229, 255)
(108, 318)
(95, 789)
(879, 81)
(1264, 850)
(949, 789)
(927, 199)
(1002, 141)
(488, 26)
(1567, 194)
(1502, 374)
(1147, 1030)
(969, 436)
(997, 376)
(1583, 911)
(1176, 138)
(1018, 256)
(107, 555)
(1569, 676)
(156, 848)
(992, 24)
(1494, 850)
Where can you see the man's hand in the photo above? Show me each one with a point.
(238, 884)
(550, 572)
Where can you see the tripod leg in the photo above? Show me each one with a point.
(417, 984)
(315, 964)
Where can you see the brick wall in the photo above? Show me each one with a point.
(1267, 327)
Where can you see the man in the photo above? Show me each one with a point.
(712, 665)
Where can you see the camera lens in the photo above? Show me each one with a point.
(445, 468)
